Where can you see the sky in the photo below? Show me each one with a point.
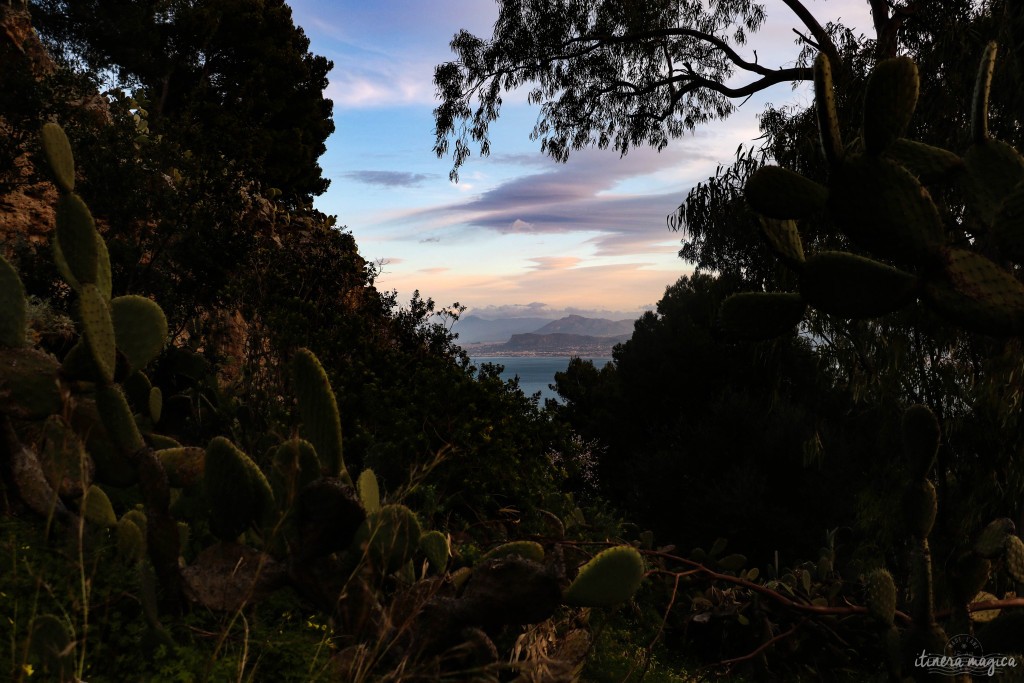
(519, 234)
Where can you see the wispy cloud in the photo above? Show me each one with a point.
(595, 192)
(388, 178)
(617, 287)
(555, 262)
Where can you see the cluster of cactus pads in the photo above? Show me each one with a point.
(89, 422)
(876, 196)
(968, 578)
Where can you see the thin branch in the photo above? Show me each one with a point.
(734, 57)
(760, 648)
(819, 33)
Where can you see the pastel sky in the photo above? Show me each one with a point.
(519, 233)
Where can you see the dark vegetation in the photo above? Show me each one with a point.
(807, 442)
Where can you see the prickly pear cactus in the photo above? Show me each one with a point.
(319, 410)
(369, 491)
(238, 493)
(609, 578)
(531, 550)
(140, 329)
(877, 200)
(391, 536)
(880, 595)
(434, 546)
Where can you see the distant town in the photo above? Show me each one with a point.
(573, 335)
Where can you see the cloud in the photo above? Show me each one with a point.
(552, 291)
(555, 262)
(388, 178)
(361, 86)
(616, 199)
(430, 240)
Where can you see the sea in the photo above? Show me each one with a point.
(535, 372)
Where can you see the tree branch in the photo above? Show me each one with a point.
(819, 33)
(727, 49)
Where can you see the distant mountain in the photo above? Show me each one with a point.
(591, 327)
(473, 329)
(556, 344)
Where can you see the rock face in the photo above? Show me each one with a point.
(26, 212)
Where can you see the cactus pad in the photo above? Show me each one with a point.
(853, 286)
(880, 595)
(780, 193)
(784, 239)
(1015, 557)
(140, 328)
(982, 87)
(238, 493)
(295, 466)
(369, 491)
(12, 307)
(97, 509)
(98, 330)
(1008, 225)
(57, 151)
(977, 294)
(928, 163)
(184, 466)
(117, 418)
(66, 465)
(136, 388)
(994, 168)
(889, 102)
(318, 407)
(753, 316)
(920, 505)
(921, 435)
(131, 541)
(52, 646)
(884, 209)
(76, 233)
(531, 550)
(434, 545)
(825, 107)
(610, 577)
(391, 536)
(104, 279)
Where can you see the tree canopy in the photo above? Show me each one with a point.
(611, 73)
(226, 78)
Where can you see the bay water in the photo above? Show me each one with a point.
(535, 372)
